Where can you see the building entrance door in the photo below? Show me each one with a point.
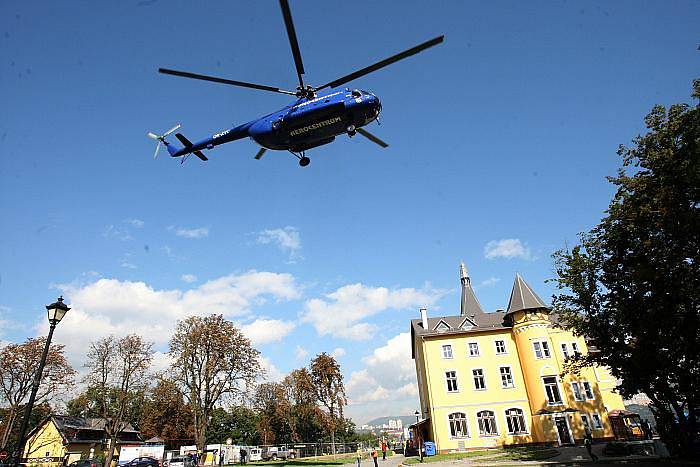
(563, 430)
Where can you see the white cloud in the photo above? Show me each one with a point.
(300, 353)
(387, 383)
(338, 352)
(490, 282)
(199, 232)
(264, 331)
(138, 223)
(507, 248)
(128, 265)
(189, 278)
(111, 306)
(287, 240)
(272, 373)
(352, 304)
(115, 232)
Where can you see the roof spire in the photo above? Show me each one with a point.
(470, 304)
(522, 297)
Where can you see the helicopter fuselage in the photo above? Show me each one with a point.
(302, 125)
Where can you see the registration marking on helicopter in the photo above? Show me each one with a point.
(223, 133)
(315, 126)
(320, 98)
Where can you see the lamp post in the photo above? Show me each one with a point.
(420, 450)
(56, 311)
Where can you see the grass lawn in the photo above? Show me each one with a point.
(340, 459)
(516, 454)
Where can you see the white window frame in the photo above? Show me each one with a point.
(588, 391)
(597, 421)
(479, 425)
(466, 424)
(483, 379)
(576, 388)
(541, 347)
(522, 414)
(456, 381)
(449, 348)
(469, 349)
(586, 421)
(556, 382)
(510, 373)
(505, 349)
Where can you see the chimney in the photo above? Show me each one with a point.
(424, 317)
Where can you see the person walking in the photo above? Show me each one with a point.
(588, 442)
(244, 454)
(383, 450)
(374, 456)
(358, 456)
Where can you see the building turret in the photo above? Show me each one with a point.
(470, 305)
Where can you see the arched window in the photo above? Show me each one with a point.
(458, 425)
(487, 423)
(515, 421)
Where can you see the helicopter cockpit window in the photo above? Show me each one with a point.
(356, 93)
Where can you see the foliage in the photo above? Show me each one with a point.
(117, 379)
(39, 414)
(238, 423)
(18, 365)
(166, 415)
(632, 285)
(212, 360)
(330, 391)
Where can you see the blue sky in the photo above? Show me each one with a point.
(500, 140)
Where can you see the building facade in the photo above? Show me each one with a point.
(61, 439)
(495, 379)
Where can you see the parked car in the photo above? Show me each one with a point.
(274, 453)
(144, 462)
(254, 454)
(84, 463)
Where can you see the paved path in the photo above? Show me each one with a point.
(391, 461)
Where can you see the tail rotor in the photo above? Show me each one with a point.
(161, 138)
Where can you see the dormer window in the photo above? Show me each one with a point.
(442, 326)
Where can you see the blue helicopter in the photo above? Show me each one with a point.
(312, 120)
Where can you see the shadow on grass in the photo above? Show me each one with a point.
(514, 454)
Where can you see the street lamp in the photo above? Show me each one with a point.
(55, 313)
(420, 450)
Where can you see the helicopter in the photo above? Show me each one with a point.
(312, 120)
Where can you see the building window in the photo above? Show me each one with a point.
(479, 380)
(551, 388)
(473, 349)
(500, 347)
(446, 351)
(588, 390)
(597, 422)
(458, 425)
(577, 392)
(586, 422)
(487, 423)
(451, 379)
(574, 347)
(515, 421)
(506, 377)
(565, 351)
(541, 349)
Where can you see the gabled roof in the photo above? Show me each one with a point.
(522, 297)
(86, 430)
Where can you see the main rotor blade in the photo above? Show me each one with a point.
(260, 153)
(372, 138)
(186, 74)
(383, 63)
(291, 33)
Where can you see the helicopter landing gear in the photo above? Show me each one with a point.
(352, 131)
(303, 160)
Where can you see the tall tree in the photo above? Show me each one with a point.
(306, 415)
(330, 391)
(632, 285)
(166, 415)
(117, 378)
(212, 360)
(274, 413)
(18, 364)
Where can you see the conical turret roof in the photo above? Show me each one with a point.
(522, 297)
(470, 304)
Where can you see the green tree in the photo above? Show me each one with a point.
(632, 285)
(238, 423)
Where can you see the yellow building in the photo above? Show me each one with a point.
(493, 379)
(61, 437)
